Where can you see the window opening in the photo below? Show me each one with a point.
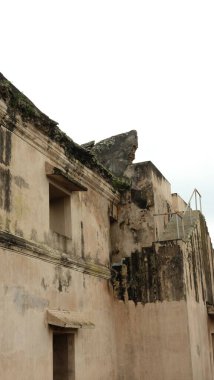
(60, 211)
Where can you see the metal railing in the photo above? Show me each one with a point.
(179, 215)
(196, 195)
(170, 215)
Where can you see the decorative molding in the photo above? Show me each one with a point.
(39, 251)
(51, 150)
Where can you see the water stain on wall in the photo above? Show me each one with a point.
(5, 175)
(5, 146)
(62, 279)
(20, 182)
(150, 276)
(25, 300)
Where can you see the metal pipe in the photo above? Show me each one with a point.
(190, 214)
(200, 203)
(196, 206)
(188, 204)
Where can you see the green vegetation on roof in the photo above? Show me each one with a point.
(18, 104)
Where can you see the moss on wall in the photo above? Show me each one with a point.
(18, 104)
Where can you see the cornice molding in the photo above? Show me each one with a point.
(53, 152)
(29, 248)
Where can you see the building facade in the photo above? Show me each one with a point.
(104, 274)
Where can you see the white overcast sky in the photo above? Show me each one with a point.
(101, 68)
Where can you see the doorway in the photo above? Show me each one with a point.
(63, 356)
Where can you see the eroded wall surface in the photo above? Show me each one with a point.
(44, 269)
(25, 202)
(30, 287)
(69, 241)
(142, 212)
(199, 293)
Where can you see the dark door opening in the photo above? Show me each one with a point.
(63, 357)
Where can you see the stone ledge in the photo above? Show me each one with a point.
(42, 252)
(53, 152)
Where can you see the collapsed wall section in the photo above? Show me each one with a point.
(138, 222)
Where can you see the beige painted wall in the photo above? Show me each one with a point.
(199, 340)
(137, 342)
(156, 341)
(29, 215)
(178, 204)
(159, 334)
(31, 286)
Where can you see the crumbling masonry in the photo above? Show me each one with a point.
(104, 273)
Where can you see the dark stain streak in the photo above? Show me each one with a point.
(62, 279)
(43, 284)
(206, 260)
(194, 269)
(60, 285)
(5, 189)
(1, 145)
(5, 176)
(5, 146)
(82, 241)
(138, 198)
(148, 276)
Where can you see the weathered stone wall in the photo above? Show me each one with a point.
(117, 152)
(198, 265)
(178, 204)
(150, 318)
(137, 227)
(155, 274)
(28, 288)
(125, 343)
(25, 200)
(42, 269)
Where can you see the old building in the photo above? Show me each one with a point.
(104, 273)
